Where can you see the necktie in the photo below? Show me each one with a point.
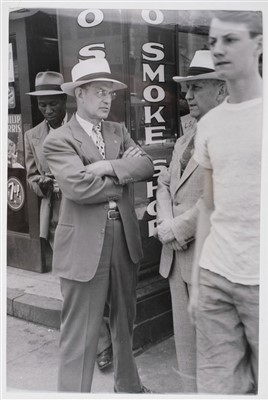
(99, 139)
(187, 154)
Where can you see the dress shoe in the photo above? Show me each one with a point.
(144, 389)
(104, 359)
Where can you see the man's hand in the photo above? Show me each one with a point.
(166, 236)
(193, 303)
(101, 168)
(45, 183)
(164, 231)
(132, 152)
(174, 245)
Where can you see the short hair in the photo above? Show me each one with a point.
(252, 19)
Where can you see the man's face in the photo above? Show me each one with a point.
(95, 101)
(233, 50)
(53, 108)
(201, 97)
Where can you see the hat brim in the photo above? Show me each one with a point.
(208, 75)
(69, 87)
(46, 93)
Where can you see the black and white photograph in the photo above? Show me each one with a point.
(135, 169)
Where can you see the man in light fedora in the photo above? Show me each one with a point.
(52, 104)
(178, 193)
(97, 242)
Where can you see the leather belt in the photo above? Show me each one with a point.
(113, 215)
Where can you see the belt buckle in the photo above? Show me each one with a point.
(110, 218)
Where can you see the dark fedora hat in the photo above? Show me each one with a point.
(47, 83)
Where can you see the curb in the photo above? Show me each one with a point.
(38, 309)
(153, 322)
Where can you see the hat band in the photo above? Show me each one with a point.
(198, 71)
(97, 75)
(48, 87)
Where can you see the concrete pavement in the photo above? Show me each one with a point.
(32, 341)
(32, 356)
(34, 297)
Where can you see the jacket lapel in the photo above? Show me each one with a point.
(190, 167)
(38, 140)
(112, 141)
(88, 147)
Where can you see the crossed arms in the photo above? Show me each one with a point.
(98, 181)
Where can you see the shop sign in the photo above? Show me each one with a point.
(153, 73)
(14, 123)
(15, 142)
(15, 194)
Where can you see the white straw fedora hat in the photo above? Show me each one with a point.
(91, 70)
(201, 67)
(47, 83)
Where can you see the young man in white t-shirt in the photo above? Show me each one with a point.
(224, 301)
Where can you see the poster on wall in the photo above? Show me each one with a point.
(11, 77)
(15, 141)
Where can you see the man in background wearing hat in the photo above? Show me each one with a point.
(178, 193)
(52, 104)
(97, 244)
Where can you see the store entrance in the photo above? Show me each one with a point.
(33, 47)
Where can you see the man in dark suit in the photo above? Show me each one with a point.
(97, 242)
(52, 105)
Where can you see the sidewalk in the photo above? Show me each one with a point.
(35, 297)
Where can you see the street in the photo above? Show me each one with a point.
(32, 356)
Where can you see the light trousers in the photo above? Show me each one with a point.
(227, 336)
(184, 331)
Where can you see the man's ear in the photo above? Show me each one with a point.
(222, 92)
(78, 93)
(259, 42)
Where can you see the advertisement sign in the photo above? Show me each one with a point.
(11, 77)
(15, 142)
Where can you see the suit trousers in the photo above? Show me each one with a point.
(227, 335)
(82, 313)
(184, 331)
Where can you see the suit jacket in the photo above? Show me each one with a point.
(177, 199)
(37, 165)
(80, 233)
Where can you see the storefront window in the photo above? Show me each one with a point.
(145, 49)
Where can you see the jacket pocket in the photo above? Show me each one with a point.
(64, 239)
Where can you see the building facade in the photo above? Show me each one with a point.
(145, 49)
